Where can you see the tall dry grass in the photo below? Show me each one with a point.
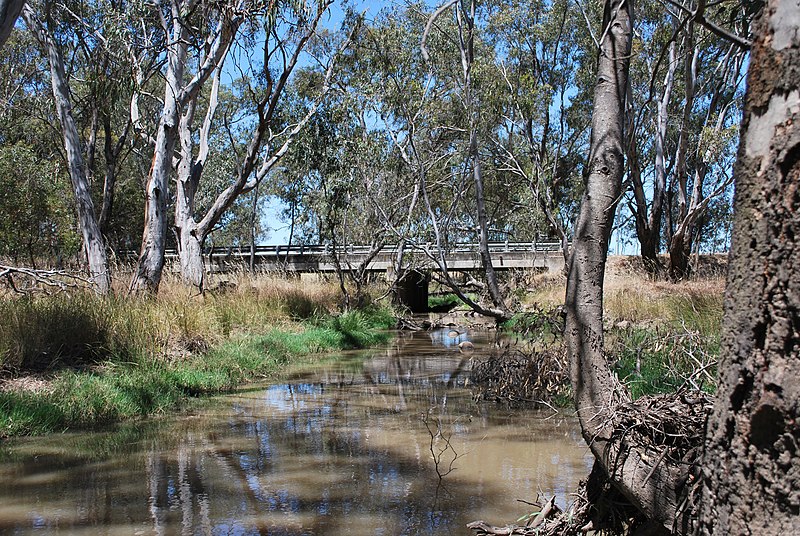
(81, 329)
(99, 360)
(661, 336)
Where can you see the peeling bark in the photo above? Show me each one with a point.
(751, 464)
(178, 93)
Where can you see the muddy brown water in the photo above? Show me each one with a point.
(341, 448)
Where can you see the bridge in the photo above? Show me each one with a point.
(462, 257)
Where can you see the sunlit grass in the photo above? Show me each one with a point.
(116, 358)
(659, 335)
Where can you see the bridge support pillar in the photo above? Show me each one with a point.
(412, 291)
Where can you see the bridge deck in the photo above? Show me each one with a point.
(318, 258)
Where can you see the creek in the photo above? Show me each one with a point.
(343, 447)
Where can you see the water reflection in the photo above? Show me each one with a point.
(341, 449)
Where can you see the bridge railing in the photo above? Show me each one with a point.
(312, 250)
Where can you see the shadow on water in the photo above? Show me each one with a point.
(340, 449)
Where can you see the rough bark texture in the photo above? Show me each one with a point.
(9, 11)
(752, 465)
(93, 243)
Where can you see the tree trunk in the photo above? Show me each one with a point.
(178, 93)
(151, 257)
(9, 11)
(591, 377)
(751, 462)
(648, 227)
(190, 252)
(253, 224)
(679, 267)
(678, 261)
(483, 227)
(190, 238)
(93, 243)
(466, 24)
(648, 484)
(112, 152)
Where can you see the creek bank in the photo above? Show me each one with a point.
(116, 389)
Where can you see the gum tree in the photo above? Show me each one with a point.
(179, 18)
(9, 11)
(751, 463)
(93, 242)
(290, 29)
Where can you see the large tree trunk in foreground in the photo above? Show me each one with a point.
(648, 484)
(9, 11)
(752, 463)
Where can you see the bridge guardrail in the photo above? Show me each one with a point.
(325, 250)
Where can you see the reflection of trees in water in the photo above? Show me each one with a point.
(320, 454)
(322, 467)
(344, 452)
(175, 485)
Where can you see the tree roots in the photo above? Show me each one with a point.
(665, 428)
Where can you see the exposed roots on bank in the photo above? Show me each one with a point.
(665, 429)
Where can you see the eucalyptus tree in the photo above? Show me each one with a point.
(9, 11)
(340, 182)
(290, 28)
(705, 148)
(751, 466)
(683, 112)
(414, 110)
(543, 138)
(465, 14)
(183, 47)
(50, 33)
(651, 486)
(650, 101)
(36, 223)
(428, 101)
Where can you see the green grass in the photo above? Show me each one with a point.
(668, 341)
(652, 361)
(443, 301)
(108, 360)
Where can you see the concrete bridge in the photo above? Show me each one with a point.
(317, 258)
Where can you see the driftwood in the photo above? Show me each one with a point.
(669, 429)
(517, 376)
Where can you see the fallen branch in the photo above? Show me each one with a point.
(42, 280)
